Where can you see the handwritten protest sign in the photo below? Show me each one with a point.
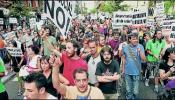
(15, 52)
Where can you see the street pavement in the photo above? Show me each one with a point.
(145, 92)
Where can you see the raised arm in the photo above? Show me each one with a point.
(56, 63)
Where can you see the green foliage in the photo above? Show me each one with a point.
(168, 5)
(94, 10)
(77, 9)
(111, 6)
(17, 10)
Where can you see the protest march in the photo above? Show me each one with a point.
(63, 55)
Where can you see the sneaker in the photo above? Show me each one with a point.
(19, 92)
(146, 82)
(156, 89)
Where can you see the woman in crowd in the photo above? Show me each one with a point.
(47, 71)
(167, 68)
(33, 54)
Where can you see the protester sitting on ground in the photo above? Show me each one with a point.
(167, 68)
(35, 85)
(167, 73)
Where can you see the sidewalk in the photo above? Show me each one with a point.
(8, 77)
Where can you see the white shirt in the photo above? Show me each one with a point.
(92, 65)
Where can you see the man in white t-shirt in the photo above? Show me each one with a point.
(35, 85)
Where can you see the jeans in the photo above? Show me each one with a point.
(132, 86)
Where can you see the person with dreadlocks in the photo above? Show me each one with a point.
(154, 48)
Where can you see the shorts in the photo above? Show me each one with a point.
(153, 66)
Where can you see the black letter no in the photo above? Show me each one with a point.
(59, 9)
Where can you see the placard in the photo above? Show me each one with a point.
(1, 21)
(122, 18)
(139, 18)
(60, 12)
(15, 52)
(32, 22)
(13, 20)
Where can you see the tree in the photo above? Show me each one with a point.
(17, 10)
(111, 6)
(94, 10)
(169, 7)
(77, 9)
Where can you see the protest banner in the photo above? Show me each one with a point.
(1, 21)
(60, 12)
(12, 20)
(9, 35)
(160, 11)
(150, 22)
(122, 18)
(139, 18)
(172, 34)
(32, 22)
(15, 52)
(166, 26)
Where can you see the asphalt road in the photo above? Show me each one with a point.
(145, 92)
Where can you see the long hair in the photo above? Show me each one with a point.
(167, 53)
(154, 36)
(106, 48)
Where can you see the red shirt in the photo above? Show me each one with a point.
(70, 65)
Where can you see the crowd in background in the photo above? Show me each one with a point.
(89, 62)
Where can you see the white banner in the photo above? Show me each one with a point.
(1, 21)
(172, 34)
(15, 52)
(122, 18)
(166, 24)
(9, 35)
(150, 22)
(139, 18)
(160, 11)
(32, 22)
(12, 20)
(60, 12)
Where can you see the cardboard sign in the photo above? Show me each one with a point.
(167, 24)
(139, 18)
(15, 52)
(1, 21)
(172, 34)
(122, 18)
(160, 11)
(150, 22)
(13, 20)
(60, 12)
(32, 22)
(9, 35)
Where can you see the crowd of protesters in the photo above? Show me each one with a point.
(89, 62)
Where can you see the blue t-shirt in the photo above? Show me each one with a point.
(131, 68)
